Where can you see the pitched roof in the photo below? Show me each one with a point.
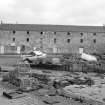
(54, 28)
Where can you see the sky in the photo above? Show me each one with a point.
(58, 12)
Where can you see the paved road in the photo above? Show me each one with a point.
(9, 59)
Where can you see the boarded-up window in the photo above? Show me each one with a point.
(23, 48)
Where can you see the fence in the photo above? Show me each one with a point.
(83, 67)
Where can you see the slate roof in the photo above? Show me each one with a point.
(53, 28)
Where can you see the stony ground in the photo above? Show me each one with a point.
(33, 98)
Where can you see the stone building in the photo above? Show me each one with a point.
(17, 38)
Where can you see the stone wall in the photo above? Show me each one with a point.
(57, 42)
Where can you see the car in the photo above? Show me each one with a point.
(34, 56)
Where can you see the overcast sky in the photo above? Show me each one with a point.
(65, 12)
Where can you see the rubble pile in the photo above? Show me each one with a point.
(76, 86)
(91, 95)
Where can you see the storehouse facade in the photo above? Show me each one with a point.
(17, 38)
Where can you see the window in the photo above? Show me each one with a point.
(41, 32)
(68, 33)
(55, 40)
(81, 40)
(94, 40)
(27, 39)
(28, 32)
(81, 34)
(13, 39)
(94, 33)
(14, 31)
(55, 33)
(68, 40)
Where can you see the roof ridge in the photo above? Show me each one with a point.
(52, 25)
(57, 28)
